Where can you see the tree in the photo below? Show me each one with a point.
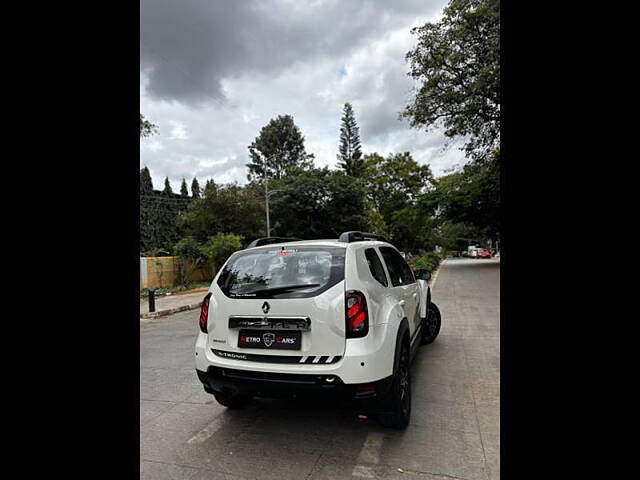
(350, 156)
(195, 188)
(318, 203)
(146, 184)
(394, 185)
(191, 258)
(146, 127)
(470, 195)
(183, 188)
(281, 145)
(167, 188)
(395, 182)
(457, 61)
(226, 209)
(147, 235)
(220, 247)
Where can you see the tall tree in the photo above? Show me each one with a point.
(167, 191)
(350, 156)
(457, 63)
(210, 188)
(146, 185)
(146, 127)
(183, 188)
(470, 195)
(195, 188)
(281, 146)
(394, 185)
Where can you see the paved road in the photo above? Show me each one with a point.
(454, 430)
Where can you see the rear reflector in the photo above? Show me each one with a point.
(357, 318)
(204, 313)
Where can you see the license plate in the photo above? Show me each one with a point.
(272, 340)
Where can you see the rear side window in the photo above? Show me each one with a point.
(399, 271)
(298, 272)
(375, 265)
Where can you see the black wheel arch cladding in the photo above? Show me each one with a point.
(403, 332)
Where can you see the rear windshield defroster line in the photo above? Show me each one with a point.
(295, 272)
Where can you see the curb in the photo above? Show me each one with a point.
(162, 313)
(432, 282)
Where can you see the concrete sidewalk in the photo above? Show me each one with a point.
(178, 302)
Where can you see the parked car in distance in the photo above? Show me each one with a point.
(483, 253)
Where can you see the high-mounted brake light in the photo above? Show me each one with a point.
(204, 313)
(356, 314)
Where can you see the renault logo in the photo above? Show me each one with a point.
(265, 307)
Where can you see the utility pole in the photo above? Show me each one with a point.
(266, 195)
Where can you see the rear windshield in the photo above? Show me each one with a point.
(298, 272)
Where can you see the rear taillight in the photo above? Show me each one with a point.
(357, 316)
(204, 313)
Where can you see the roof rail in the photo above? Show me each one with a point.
(258, 242)
(356, 236)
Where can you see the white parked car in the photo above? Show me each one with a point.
(344, 317)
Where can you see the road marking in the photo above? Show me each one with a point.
(370, 453)
(207, 431)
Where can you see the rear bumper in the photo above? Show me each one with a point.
(269, 384)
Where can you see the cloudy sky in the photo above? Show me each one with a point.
(213, 73)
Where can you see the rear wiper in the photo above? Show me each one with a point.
(281, 289)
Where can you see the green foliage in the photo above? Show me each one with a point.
(195, 188)
(183, 188)
(457, 63)
(317, 203)
(350, 156)
(458, 236)
(470, 195)
(429, 261)
(146, 127)
(146, 185)
(227, 208)
(281, 145)
(188, 248)
(167, 188)
(393, 185)
(218, 248)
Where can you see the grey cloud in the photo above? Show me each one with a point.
(188, 47)
(221, 70)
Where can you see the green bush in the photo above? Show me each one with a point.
(188, 249)
(428, 261)
(219, 248)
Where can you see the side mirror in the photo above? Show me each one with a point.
(423, 274)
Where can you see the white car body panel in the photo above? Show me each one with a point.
(365, 359)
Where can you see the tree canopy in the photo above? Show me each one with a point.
(281, 145)
(317, 203)
(457, 63)
(146, 127)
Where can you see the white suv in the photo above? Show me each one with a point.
(287, 316)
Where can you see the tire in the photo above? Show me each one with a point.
(232, 401)
(398, 404)
(431, 325)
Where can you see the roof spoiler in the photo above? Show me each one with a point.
(348, 237)
(258, 242)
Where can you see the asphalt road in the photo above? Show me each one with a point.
(455, 422)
